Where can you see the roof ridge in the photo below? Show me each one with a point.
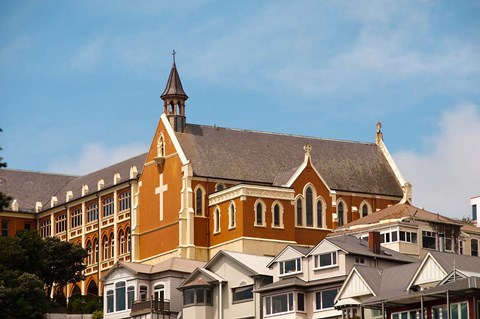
(281, 134)
(38, 172)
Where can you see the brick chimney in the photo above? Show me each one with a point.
(374, 242)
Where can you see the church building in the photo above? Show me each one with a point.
(201, 189)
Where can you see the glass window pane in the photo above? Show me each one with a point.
(188, 296)
(120, 296)
(325, 260)
(200, 295)
(301, 302)
(279, 304)
(327, 298)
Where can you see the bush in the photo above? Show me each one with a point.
(97, 314)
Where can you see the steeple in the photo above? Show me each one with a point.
(174, 98)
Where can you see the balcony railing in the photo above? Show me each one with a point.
(150, 306)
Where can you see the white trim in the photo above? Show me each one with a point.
(199, 186)
(251, 191)
(174, 139)
(420, 268)
(300, 170)
(280, 217)
(230, 225)
(345, 283)
(217, 221)
(264, 210)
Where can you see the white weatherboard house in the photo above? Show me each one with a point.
(225, 287)
(306, 281)
(133, 290)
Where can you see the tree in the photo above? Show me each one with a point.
(63, 264)
(4, 199)
(26, 259)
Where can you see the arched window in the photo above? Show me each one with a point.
(95, 246)
(124, 201)
(231, 216)
(199, 198)
(76, 217)
(92, 212)
(340, 214)
(108, 207)
(112, 246)
(121, 244)
(277, 215)
(161, 146)
(216, 220)
(299, 210)
(129, 240)
(309, 207)
(106, 253)
(365, 209)
(319, 214)
(89, 251)
(260, 213)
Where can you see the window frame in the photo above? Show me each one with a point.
(199, 201)
(232, 216)
(92, 212)
(108, 206)
(76, 218)
(333, 259)
(263, 209)
(217, 218)
(268, 304)
(278, 204)
(124, 201)
(240, 289)
(320, 293)
(297, 263)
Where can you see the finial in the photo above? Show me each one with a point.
(173, 54)
(379, 135)
(307, 148)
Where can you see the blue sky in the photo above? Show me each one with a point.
(80, 80)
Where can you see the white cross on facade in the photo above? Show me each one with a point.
(160, 190)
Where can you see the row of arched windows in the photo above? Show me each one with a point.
(123, 244)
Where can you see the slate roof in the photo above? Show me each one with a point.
(394, 281)
(357, 246)
(399, 212)
(268, 158)
(29, 187)
(372, 276)
(449, 261)
(107, 173)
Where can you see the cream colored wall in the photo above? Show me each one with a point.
(251, 246)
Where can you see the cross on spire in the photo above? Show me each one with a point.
(173, 54)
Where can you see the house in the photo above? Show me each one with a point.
(226, 287)
(415, 231)
(439, 282)
(133, 290)
(306, 281)
(201, 189)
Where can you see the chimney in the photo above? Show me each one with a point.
(374, 242)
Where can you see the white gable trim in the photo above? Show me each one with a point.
(174, 139)
(300, 170)
(353, 272)
(428, 257)
(285, 250)
(324, 242)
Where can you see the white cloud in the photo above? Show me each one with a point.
(447, 174)
(95, 156)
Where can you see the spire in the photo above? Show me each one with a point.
(174, 98)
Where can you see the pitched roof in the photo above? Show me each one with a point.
(371, 275)
(29, 187)
(399, 212)
(394, 281)
(357, 246)
(75, 185)
(173, 264)
(255, 263)
(266, 157)
(449, 261)
(174, 85)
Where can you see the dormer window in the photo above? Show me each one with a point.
(290, 266)
(326, 260)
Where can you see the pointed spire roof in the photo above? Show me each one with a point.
(174, 85)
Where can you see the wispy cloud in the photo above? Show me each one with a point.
(94, 156)
(447, 173)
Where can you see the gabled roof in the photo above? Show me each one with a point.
(201, 277)
(91, 179)
(302, 252)
(370, 277)
(399, 212)
(256, 264)
(394, 281)
(28, 187)
(450, 261)
(171, 264)
(260, 157)
(353, 245)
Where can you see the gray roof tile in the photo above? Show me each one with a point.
(268, 158)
